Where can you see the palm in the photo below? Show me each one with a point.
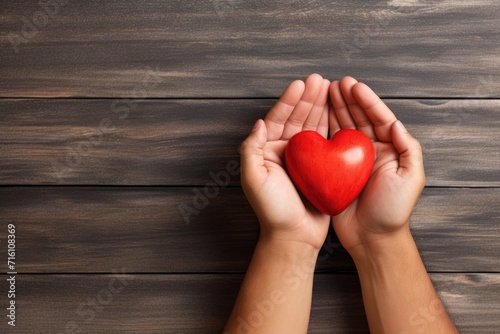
(386, 201)
(267, 186)
(369, 212)
(286, 202)
(389, 196)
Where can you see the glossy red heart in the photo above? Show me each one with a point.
(330, 173)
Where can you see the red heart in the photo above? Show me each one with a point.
(330, 173)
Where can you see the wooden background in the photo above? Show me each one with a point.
(115, 113)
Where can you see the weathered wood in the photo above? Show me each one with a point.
(89, 229)
(180, 142)
(246, 48)
(153, 142)
(202, 303)
(185, 277)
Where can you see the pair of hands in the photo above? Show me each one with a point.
(385, 205)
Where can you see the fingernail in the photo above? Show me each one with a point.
(401, 126)
(256, 126)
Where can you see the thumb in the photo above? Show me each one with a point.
(252, 155)
(409, 149)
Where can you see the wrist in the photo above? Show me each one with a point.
(293, 252)
(384, 249)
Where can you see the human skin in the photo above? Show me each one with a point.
(397, 292)
(275, 296)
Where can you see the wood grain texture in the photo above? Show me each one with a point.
(239, 48)
(183, 272)
(94, 230)
(201, 303)
(180, 142)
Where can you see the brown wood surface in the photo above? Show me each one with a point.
(235, 48)
(91, 229)
(201, 303)
(180, 142)
(176, 86)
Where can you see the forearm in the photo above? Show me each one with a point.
(397, 292)
(275, 296)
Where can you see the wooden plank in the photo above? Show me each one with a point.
(61, 230)
(181, 142)
(452, 134)
(201, 303)
(153, 142)
(238, 48)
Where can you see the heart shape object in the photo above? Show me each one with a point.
(330, 173)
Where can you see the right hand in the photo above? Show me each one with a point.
(385, 205)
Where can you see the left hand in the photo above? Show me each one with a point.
(282, 213)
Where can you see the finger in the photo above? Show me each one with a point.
(333, 122)
(380, 115)
(362, 121)
(318, 108)
(303, 108)
(323, 122)
(280, 112)
(340, 106)
(410, 152)
(253, 171)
